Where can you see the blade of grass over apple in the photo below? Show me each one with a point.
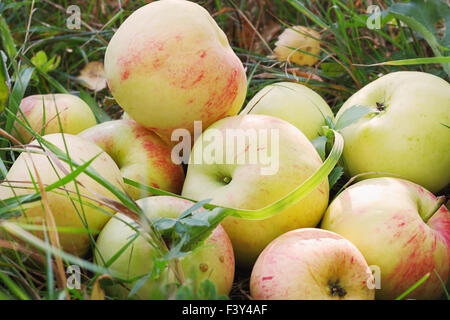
(408, 62)
(272, 209)
(413, 287)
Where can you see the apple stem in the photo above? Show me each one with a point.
(440, 201)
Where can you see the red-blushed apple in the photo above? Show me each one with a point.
(53, 113)
(311, 264)
(213, 261)
(406, 133)
(170, 64)
(258, 159)
(293, 102)
(398, 226)
(65, 207)
(141, 155)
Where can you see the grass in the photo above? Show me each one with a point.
(351, 56)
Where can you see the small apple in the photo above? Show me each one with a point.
(293, 102)
(311, 264)
(405, 135)
(140, 154)
(214, 261)
(42, 113)
(297, 38)
(67, 212)
(399, 227)
(170, 64)
(287, 155)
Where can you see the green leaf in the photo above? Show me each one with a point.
(7, 40)
(320, 143)
(335, 175)
(4, 83)
(352, 115)
(422, 17)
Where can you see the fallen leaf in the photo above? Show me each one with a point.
(93, 75)
(298, 38)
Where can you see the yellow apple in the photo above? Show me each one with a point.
(293, 102)
(405, 135)
(67, 212)
(283, 162)
(169, 64)
(401, 228)
(42, 113)
(213, 261)
(140, 154)
(311, 264)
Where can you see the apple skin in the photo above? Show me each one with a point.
(408, 138)
(391, 222)
(74, 114)
(293, 102)
(63, 209)
(249, 189)
(306, 264)
(169, 64)
(214, 261)
(141, 155)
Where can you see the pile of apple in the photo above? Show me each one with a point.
(168, 65)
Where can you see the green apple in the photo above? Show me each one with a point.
(311, 264)
(293, 102)
(214, 260)
(405, 135)
(67, 212)
(170, 64)
(141, 155)
(398, 226)
(282, 161)
(53, 113)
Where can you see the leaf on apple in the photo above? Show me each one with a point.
(320, 143)
(352, 115)
(335, 175)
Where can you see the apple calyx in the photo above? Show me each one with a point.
(336, 289)
(226, 179)
(439, 202)
(380, 106)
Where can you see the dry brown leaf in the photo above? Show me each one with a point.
(301, 38)
(97, 292)
(93, 74)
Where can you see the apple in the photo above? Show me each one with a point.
(169, 64)
(293, 102)
(283, 163)
(398, 226)
(67, 212)
(140, 154)
(405, 135)
(311, 264)
(291, 40)
(42, 112)
(214, 260)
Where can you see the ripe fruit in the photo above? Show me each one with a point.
(140, 154)
(399, 227)
(311, 264)
(214, 261)
(170, 64)
(74, 115)
(244, 185)
(293, 102)
(67, 212)
(405, 134)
